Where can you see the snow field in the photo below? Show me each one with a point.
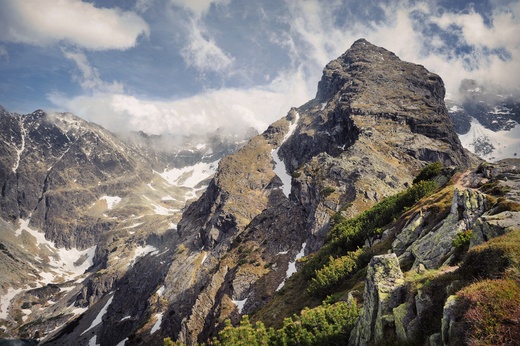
(279, 166)
(506, 143)
(99, 317)
(292, 266)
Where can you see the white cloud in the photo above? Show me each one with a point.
(234, 108)
(200, 50)
(503, 32)
(315, 37)
(198, 7)
(142, 6)
(89, 77)
(44, 22)
(202, 53)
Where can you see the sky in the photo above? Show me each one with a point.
(191, 66)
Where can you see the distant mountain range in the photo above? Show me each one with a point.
(487, 120)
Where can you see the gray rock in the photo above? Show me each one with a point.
(383, 294)
(491, 226)
(435, 247)
(452, 330)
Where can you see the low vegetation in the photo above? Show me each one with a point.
(327, 324)
(348, 235)
(490, 312)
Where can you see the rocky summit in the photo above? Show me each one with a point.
(333, 207)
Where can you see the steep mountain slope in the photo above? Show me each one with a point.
(77, 197)
(486, 119)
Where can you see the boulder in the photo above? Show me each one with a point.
(384, 291)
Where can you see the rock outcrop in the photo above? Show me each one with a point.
(432, 246)
(384, 291)
(426, 307)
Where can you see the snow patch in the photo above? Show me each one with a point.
(190, 176)
(99, 317)
(134, 225)
(142, 251)
(204, 258)
(279, 166)
(240, 304)
(111, 201)
(501, 111)
(125, 318)
(160, 210)
(5, 301)
(157, 324)
(161, 290)
(151, 187)
(455, 108)
(79, 311)
(93, 342)
(67, 264)
(22, 147)
(292, 266)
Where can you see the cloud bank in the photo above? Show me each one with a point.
(236, 109)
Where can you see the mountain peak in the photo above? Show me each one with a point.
(370, 80)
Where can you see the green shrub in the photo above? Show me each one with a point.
(429, 172)
(332, 275)
(327, 324)
(462, 239)
(348, 235)
(244, 334)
